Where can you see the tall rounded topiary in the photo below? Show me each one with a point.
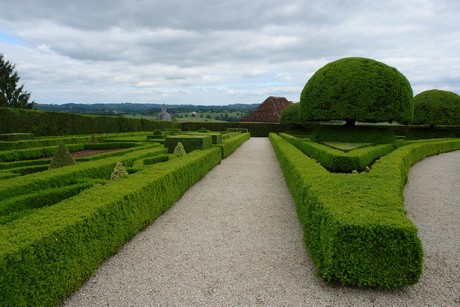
(62, 157)
(436, 107)
(290, 115)
(357, 89)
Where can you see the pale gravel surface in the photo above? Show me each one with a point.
(234, 240)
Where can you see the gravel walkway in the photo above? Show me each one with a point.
(234, 239)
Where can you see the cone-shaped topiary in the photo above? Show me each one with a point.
(179, 150)
(119, 171)
(436, 107)
(357, 89)
(62, 157)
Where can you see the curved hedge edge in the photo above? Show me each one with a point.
(228, 146)
(47, 256)
(364, 216)
(336, 160)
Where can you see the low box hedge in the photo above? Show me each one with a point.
(48, 255)
(16, 136)
(70, 174)
(353, 134)
(355, 228)
(228, 146)
(336, 160)
(190, 142)
(40, 199)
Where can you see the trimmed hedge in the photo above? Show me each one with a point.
(100, 169)
(190, 142)
(40, 199)
(336, 160)
(55, 123)
(48, 151)
(255, 129)
(47, 256)
(16, 136)
(156, 159)
(228, 146)
(355, 228)
(417, 133)
(353, 134)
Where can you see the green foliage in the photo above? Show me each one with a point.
(353, 134)
(93, 139)
(228, 146)
(156, 159)
(290, 115)
(255, 129)
(157, 133)
(357, 89)
(16, 136)
(336, 160)
(47, 256)
(40, 199)
(190, 142)
(418, 133)
(98, 169)
(62, 157)
(367, 240)
(436, 107)
(179, 150)
(11, 94)
(118, 172)
(203, 129)
(53, 123)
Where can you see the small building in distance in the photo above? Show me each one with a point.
(268, 111)
(163, 114)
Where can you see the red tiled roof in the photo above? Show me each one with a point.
(268, 111)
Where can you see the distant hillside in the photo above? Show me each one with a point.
(140, 108)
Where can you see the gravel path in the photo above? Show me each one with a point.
(234, 239)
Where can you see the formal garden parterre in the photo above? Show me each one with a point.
(57, 225)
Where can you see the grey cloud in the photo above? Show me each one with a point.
(236, 49)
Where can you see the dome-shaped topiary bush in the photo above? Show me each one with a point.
(290, 115)
(437, 107)
(357, 89)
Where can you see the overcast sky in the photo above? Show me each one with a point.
(217, 51)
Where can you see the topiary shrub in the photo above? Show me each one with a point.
(203, 129)
(62, 157)
(157, 133)
(179, 150)
(436, 107)
(290, 115)
(118, 172)
(93, 139)
(357, 89)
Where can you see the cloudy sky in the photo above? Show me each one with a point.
(215, 52)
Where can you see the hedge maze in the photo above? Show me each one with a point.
(58, 225)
